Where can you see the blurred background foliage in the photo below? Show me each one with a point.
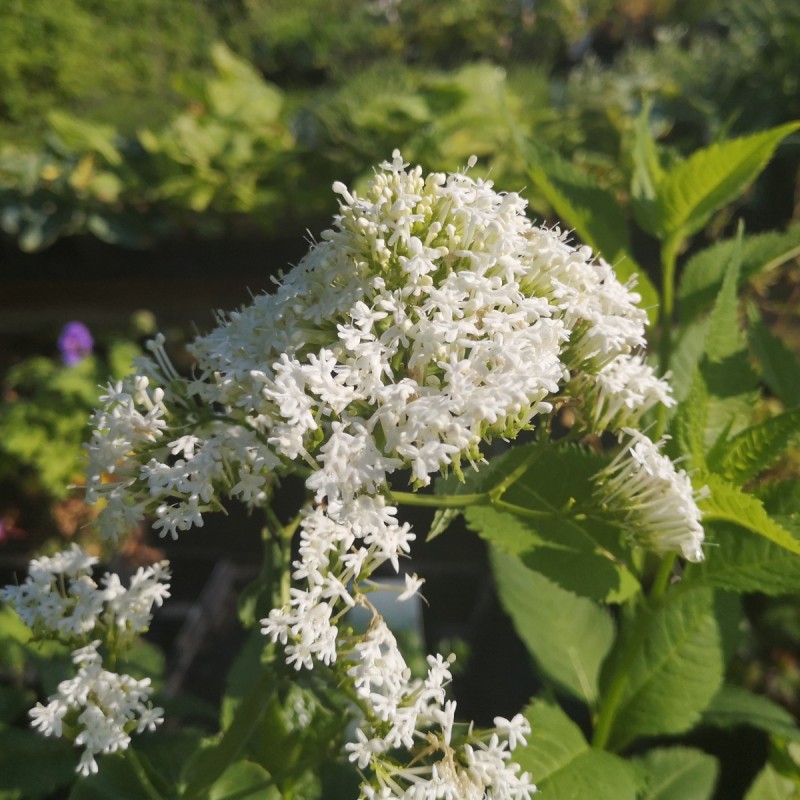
(144, 120)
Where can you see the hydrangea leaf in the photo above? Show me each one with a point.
(675, 669)
(734, 706)
(709, 179)
(703, 274)
(678, 773)
(739, 562)
(567, 636)
(728, 503)
(563, 765)
(754, 449)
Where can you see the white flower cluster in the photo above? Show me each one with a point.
(433, 317)
(98, 709)
(59, 597)
(657, 501)
(403, 713)
(101, 708)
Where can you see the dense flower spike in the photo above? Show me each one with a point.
(656, 501)
(433, 317)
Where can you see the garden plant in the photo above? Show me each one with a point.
(575, 350)
(647, 480)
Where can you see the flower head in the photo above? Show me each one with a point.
(75, 343)
(655, 501)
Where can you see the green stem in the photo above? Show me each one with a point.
(663, 575)
(439, 500)
(630, 648)
(669, 258)
(141, 773)
(227, 750)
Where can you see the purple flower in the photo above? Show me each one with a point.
(75, 343)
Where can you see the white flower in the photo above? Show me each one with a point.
(655, 501)
(620, 393)
(102, 703)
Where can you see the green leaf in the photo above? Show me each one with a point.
(709, 179)
(734, 706)
(771, 785)
(80, 136)
(244, 780)
(754, 449)
(593, 212)
(703, 274)
(678, 773)
(728, 503)
(33, 764)
(545, 529)
(567, 636)
(209, 764)
(672, 663)
(724, 338)
(780, 369)
(736, 561)
(688, 425)
(564, 767)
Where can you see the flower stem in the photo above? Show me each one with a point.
(141, 773)
(439, 500)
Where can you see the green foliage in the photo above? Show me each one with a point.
(734, 706)
(671, 674)
(703, 273)
(678, 773)
(33, 767)
(539, 521)
(592, 210)
(690, 192)
(771, 785)
(740, 562)
(44, 415)
(728, 503)
(568, 636)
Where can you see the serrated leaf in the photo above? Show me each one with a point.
(723, 338)
(728, 503)
(675, 668)
(678, 773)
(780, 369)
(563, 765)
(592, 211)
(703, 274)
(567, 636)
(543, 527)
(754, 449)
(734, 706)
(709, 179)
(738, 562)
(771, 785)
(688, 425)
